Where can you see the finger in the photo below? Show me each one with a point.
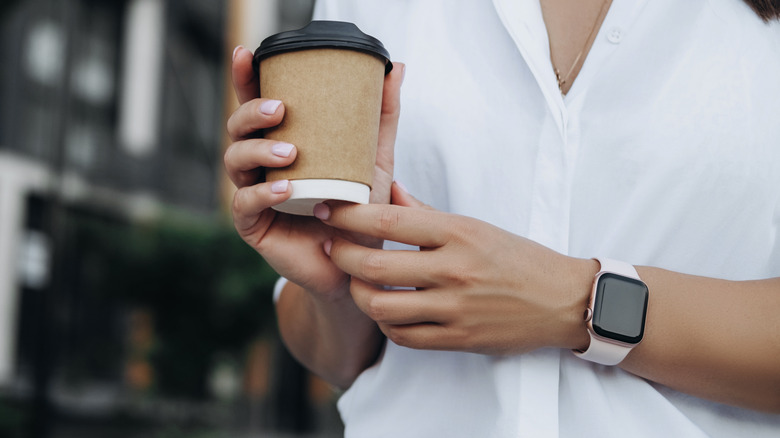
(401, 196)
(388, 127)
(396, 306)
(425, 336)
(413, 226)
(245, 159)
(250, 202)
(395, 268)
(245, 81)
(253, 116)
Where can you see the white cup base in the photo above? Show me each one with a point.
(306, 193)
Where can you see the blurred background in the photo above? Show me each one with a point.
(128, 305)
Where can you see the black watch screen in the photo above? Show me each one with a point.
(619, 308)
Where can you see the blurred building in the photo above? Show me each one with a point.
(110, 109)
(113, 107)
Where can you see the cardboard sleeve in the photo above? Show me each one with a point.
(333, 101)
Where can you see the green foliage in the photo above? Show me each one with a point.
(208, 292)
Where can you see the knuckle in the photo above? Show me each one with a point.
(388, 220)
(239, 200)
(373, 266)
(375, 310)
(455, 275)
(459, 230)
(465, 339)
(229, 157)
(244, 200)
(399, 336)
(233, 125)
(459, 305)
(463, 276)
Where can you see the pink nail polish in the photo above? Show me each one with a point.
(327, 246)
(282, 149)
(236, 51)
(280, 186)
(401, 185)
(321, 211)
(269, 107)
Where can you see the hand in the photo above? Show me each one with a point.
(478, 288)
(291, 244)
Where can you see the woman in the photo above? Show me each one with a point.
(549, 132)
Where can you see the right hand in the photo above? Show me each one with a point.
(292, 245)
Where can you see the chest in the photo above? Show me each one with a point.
(670, 106)
(572, 26)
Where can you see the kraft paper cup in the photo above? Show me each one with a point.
(330, 77)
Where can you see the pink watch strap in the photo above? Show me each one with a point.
(599, 350)
(618, 267)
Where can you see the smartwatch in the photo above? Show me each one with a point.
(616, 313)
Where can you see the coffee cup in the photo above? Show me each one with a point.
(330, 76)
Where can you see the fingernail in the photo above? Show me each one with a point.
(327, 246)
(322, 211)
(401, 185)
(282, 149)
(280, 186)
(236, 51)
(403, 73)
(269, 107)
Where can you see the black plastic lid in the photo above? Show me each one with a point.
(322, 34)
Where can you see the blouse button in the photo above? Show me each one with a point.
(615, 35)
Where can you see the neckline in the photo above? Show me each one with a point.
(523, 21)
(558, 25)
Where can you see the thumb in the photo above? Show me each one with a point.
(399, 195)
(388, 126)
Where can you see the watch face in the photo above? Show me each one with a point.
(619, 308)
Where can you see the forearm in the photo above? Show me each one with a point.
(481, 289)
(333, 339)
(712, 338)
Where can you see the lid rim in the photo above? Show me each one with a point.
(322, 34)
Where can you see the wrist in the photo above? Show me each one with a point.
(337, 305)
(326, 293)
(333, 316)
(577, 287)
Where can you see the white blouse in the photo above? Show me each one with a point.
(665, 152)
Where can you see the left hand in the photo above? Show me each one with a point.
(478, 288)
(291, 244)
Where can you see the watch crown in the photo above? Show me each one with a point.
(588, 314)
